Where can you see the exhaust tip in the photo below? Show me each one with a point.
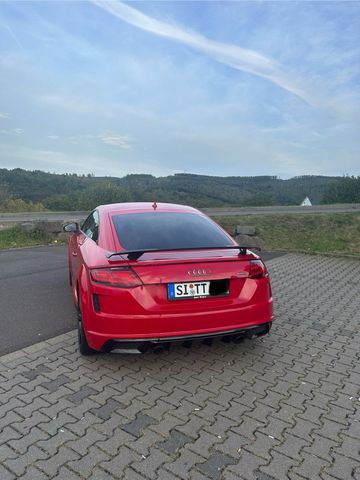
(165, 347)
(239, 339)
(227, 338)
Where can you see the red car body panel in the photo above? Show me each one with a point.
(144, 312)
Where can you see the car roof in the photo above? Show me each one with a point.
(142, 207)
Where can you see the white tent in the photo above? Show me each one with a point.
(306, 202)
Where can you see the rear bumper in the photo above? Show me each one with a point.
(143, 344)
(100, 332)
(226, 317)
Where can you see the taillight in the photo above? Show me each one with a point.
(116, 277)
(257, 269)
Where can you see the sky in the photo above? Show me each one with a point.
(215, 88)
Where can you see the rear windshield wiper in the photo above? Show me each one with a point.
(136, 254)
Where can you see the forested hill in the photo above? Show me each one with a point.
(73, 192)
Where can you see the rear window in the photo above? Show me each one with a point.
(161, 230)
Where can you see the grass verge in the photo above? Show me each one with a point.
(16, 237)
(331, 233)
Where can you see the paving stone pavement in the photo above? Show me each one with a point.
(285, 406)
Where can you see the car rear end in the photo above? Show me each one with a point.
(191, 284)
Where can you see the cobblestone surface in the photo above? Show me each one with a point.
(286, 406)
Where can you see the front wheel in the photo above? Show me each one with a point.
(84, 347)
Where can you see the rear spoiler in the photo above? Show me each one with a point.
(136, 254)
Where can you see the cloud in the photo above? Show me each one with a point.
(109, 138)
(229, 54)
(29, 158)
(13, 36)
(4, 115)
(115, 139)
(13, 131)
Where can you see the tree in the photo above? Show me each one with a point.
(4, 193)
(101, 194)
(347, 190)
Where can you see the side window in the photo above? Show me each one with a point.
(91, 226)
(95, 235)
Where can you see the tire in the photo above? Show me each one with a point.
(84, 347)
(70, 278)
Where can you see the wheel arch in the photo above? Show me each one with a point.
(83, 294)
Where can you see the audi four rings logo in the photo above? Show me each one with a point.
(199, 272)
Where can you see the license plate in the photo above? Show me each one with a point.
(177, 291)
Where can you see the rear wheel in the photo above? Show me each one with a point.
(84, 347)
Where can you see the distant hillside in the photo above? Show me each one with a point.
(72, 192)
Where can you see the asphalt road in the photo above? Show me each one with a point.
(276, 210)
(9, 218)
(35, 297)
(6, 218)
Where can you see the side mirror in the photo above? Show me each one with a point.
(71, 227)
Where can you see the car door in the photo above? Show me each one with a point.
(88, 230)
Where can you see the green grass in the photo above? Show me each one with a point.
(336, 233)
(15, 237)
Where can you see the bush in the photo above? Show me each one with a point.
(19, 205)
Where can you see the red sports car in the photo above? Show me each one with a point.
(146, 274)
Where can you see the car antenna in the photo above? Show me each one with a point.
(154, 205)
